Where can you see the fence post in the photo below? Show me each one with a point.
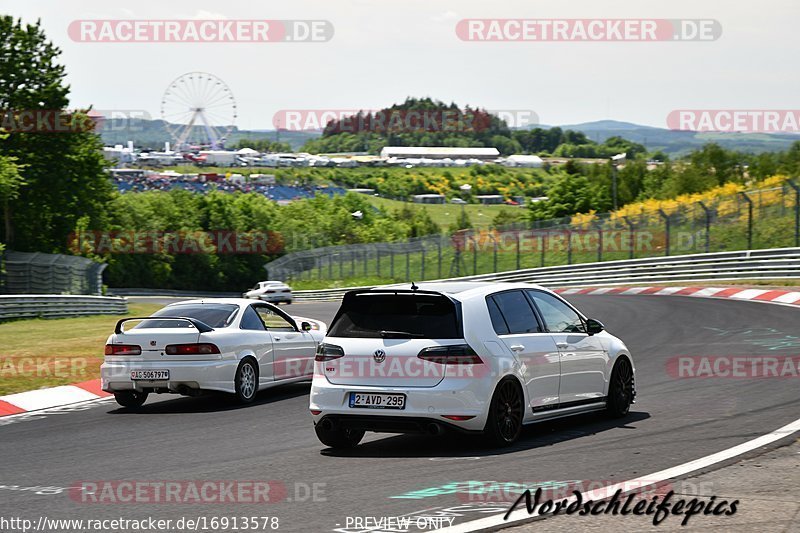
(707, 212)
(422, 265)
(542, 240)
(341, 266)
(391, 263)
(516, 234)
(366, 268)
(330, 266)
(408, 265)
(474, 254)
(439, 249)
(353, 264)
(796, 188)
(599, 242)
(666, 230)
(749, 219)
(494, 261)
(630, 233)
(569, 247)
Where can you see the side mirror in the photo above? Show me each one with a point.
(305, 326)
(594, 326)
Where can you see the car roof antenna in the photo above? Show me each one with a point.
(414, 286)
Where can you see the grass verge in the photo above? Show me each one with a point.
(40, 353)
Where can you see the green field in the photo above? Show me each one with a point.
(40, 352)
(446, 214)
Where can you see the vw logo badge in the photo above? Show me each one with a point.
(379, 356)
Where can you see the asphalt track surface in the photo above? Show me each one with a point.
(212, 438)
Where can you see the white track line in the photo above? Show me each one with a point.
(521, 515)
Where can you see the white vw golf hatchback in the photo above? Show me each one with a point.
(476, 357)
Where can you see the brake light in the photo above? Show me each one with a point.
(123, 349)
(457, 354)
(199, 348)
(315, 412)
(458, 418)
(328, 352)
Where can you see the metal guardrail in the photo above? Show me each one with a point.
(172, 293)
(57, 306)
(780, 263)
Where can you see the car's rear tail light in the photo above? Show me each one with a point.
(457, 354)
(315, 412)
(198, 348)
(458, 418)
(328, 352)
(123, 349)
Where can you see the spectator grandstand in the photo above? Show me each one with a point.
(278, 193)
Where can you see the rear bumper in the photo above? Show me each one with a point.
(395, 424)
(194, 375)
(423, 405)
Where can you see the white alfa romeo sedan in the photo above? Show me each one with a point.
(476, 357)
(231, 345)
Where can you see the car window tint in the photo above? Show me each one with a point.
(251, 321)
(426, 316)
(517, 312)
(272, 320)
(214, 315)
(558, 316)
(498, 322)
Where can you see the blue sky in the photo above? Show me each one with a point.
(384, 50)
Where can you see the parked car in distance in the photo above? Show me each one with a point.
(270, 291)
(229, 345)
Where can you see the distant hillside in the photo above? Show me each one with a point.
(151, 134)
(680, 142)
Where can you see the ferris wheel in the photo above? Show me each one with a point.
(198, 109)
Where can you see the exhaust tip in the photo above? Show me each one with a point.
(434, 429)
(327, 424)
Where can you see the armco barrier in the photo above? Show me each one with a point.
(781, 263)
(56, 306)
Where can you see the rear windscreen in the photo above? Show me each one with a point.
(427, 316)
(214, 315)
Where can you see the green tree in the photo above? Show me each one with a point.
(10, 183)
(64, 172)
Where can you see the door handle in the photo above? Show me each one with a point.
(517, 347)
(562, 345)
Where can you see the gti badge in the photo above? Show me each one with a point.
(379, 356)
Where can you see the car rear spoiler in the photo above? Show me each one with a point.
(202, 327)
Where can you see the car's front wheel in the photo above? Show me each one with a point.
(504, 423)
(130, 398)
(246, 381)
(338, 437)
(620, 389)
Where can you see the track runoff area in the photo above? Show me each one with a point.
(208, 464)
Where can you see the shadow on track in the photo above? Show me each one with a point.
(212, 402)
(457, 445)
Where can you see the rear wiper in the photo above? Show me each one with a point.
(398, 334)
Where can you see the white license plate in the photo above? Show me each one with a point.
(372, 400)
(151, 375)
